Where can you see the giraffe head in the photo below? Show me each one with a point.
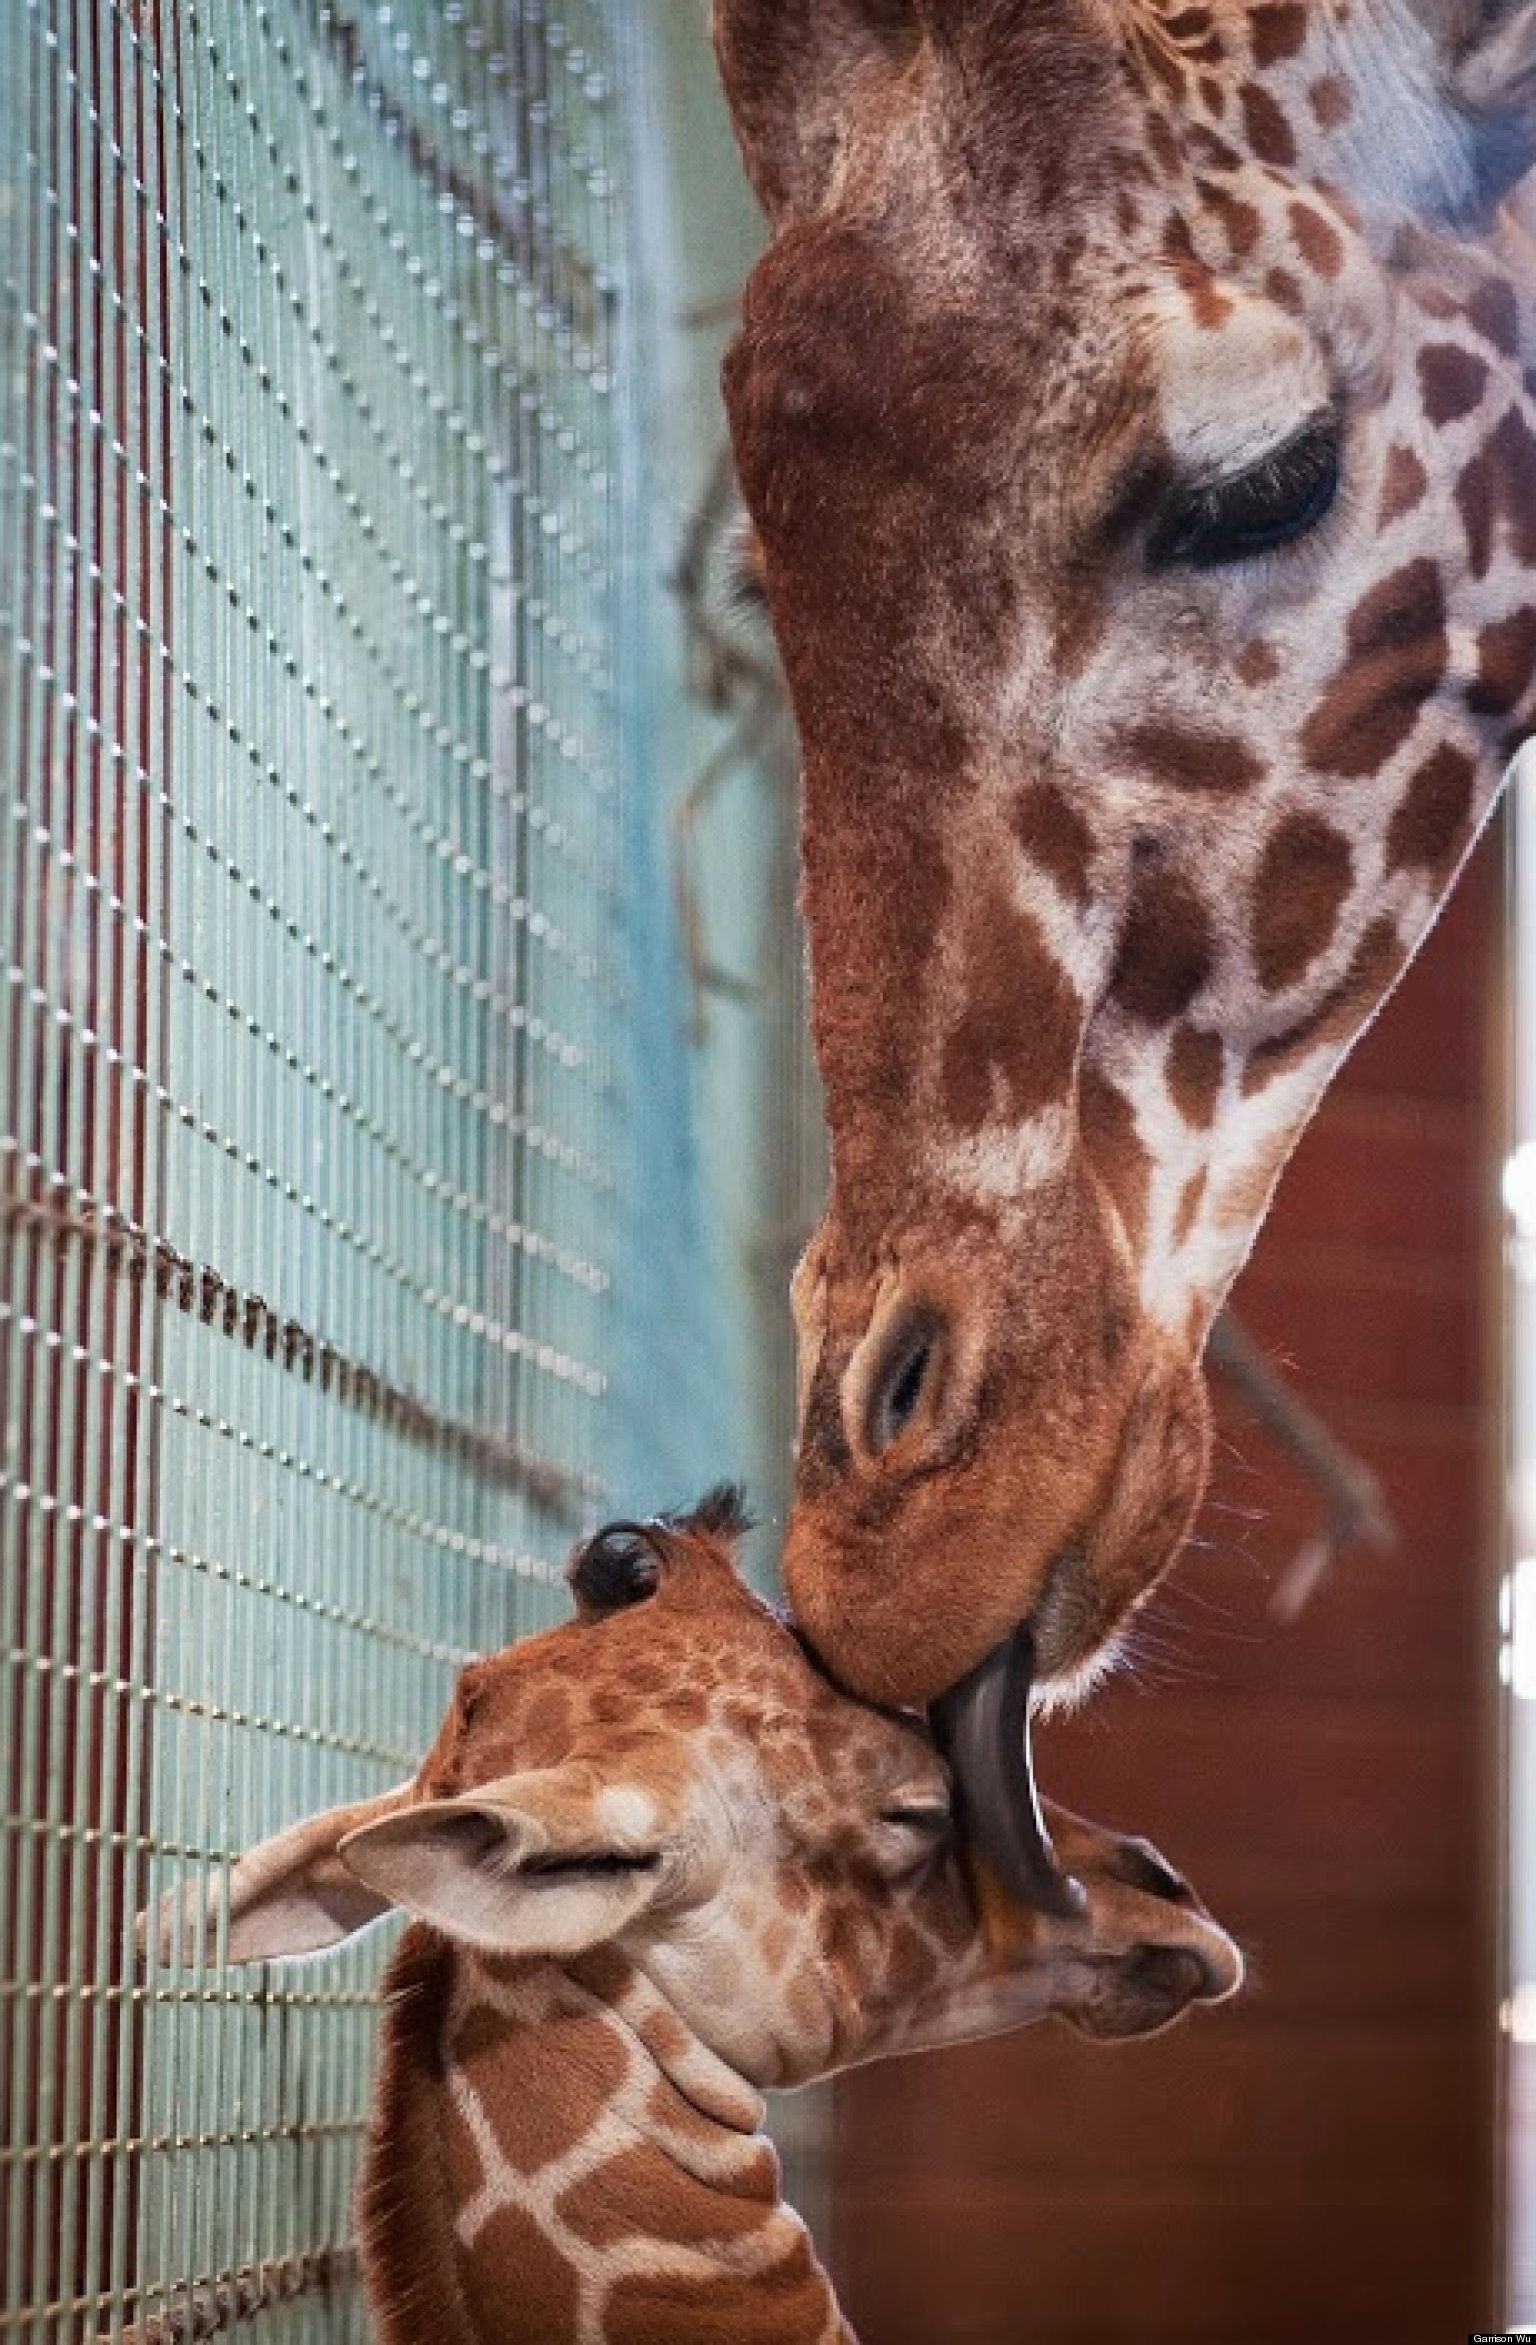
(1132, 408)
(673, 1776)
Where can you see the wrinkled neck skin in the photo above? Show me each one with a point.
(558, 2159)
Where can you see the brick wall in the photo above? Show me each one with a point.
(1314, 2163)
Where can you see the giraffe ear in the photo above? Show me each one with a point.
(791, 70)
(1494, 77)
(289, 1895)
(551, 1862)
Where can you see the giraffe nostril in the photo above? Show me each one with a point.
(909, 1369)
(911, 1391)
(1141, 1866)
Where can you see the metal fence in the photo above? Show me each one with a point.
(358, 1232)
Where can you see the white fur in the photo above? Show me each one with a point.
(627, 1812)
(1407, 146)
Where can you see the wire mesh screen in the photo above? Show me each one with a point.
(338, 1062)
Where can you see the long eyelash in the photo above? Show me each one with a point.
(1265, 506)
(1283, 473)
(1277, 475)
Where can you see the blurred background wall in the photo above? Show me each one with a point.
(1320, 2159)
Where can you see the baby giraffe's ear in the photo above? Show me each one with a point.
(550, 1862)
(289, 1895)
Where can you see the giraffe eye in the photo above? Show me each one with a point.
(911, 1834)
(927, 1816)
(1275, 501)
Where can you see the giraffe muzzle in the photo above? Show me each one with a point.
(983, 1729)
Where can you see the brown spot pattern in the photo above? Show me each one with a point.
(1428, 824)
(1277, 32)
(1332, 104)
(1195, 1063)
(1395, 660)
(517, 2284)
(1506, 664)
(1317, 240)
(1054, 835)
(1012, 1050)
(1241, 222)
(1209, 149)
(1340, 1013)
(1210, 306)
(1493, 310)
(642, 2193)
(1451, 381)
(1165, 952)
(1182, 757)
(1403, 483)
(786, 2305)
(1165, 147)
(1257, 662)
(1269, 133)
(569, 2073)
(1195, 32)
(1303, 878)
(1433, 300)
(1498, 486)
(548, 1718)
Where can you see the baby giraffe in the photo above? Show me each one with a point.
(658, 1864)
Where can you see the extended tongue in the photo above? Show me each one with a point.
(982, 1725)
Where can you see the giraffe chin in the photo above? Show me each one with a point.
(983, 1728)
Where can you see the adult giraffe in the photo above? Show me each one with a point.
(1133, 411)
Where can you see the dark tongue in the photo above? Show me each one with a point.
(982, 1726)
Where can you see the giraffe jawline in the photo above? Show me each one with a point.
(983, 1729)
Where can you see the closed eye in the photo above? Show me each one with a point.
(910, 1837)
(930, 1816)
(1270, 504)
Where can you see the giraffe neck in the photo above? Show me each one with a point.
(557, 2159)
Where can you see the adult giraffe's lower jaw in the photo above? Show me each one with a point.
(1074, 1648)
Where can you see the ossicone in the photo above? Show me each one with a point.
(618, 1566)
(721, 1513)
